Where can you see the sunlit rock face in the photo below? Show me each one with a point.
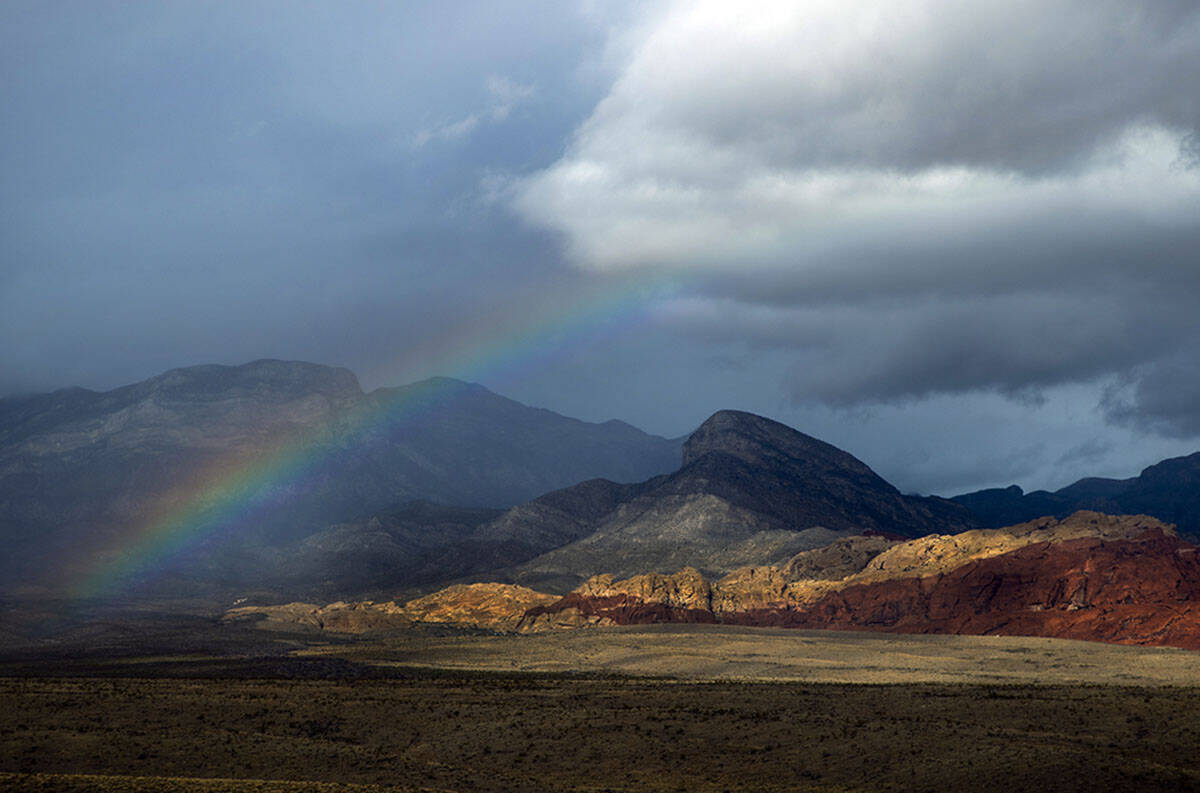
(496, 607)
(1126, 579)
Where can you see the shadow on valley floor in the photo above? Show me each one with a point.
(539, 733)
(195, 706)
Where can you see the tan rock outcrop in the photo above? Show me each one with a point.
(940, 553)
(1143, 590)
(750, 588)
(489, 606)
(1112, 578)
(687, 589)
(1090, 573)
(837, 560)
(339, 617)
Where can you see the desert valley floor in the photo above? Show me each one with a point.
(641, 708)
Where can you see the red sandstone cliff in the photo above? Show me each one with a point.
(1121, 579)
(1141, 591)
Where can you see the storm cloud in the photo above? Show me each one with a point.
(957, 239)
(916, 198)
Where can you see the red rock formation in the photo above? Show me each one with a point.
(1125, 579)
(1142, 590)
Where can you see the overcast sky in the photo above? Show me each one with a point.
(960, 240)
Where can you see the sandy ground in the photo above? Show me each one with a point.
(709, 652)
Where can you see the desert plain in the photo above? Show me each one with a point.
(210, 706)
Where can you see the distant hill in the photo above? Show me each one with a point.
(1169, 491)
(749, 491)
(300, 442)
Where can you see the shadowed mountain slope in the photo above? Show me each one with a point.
(289, 447)
(750, 491)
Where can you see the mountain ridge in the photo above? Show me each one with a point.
(750, 491)
(1168, 490)
(78, 468)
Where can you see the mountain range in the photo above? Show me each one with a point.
(1169, 490)
(81, 471)
(749, 491)
(1125, 579)
(478, 510)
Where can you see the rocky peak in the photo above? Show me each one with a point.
(760, 441)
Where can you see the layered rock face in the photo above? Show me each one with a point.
(1121, 579)
(1140, 591)
(1125, 579)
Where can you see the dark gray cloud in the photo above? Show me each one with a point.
(1086, 453)
(913, 199)
(188, 182)
(876, 351)
(957, 239)
(1162, 395)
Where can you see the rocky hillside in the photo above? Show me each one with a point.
(496, 607)
(79, 469)
(750, 491)
(1126, 579)
(1123, 579)
(1169, 490)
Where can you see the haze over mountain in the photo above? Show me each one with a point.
(286, 447)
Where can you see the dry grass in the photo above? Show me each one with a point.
(732, 709)
(541, 733)
(707, 652)
(83, 783)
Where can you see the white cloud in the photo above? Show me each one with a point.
(916, 198)
(766, 132)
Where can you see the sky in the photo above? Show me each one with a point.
(959, 240)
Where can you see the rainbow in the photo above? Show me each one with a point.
(237, 490)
